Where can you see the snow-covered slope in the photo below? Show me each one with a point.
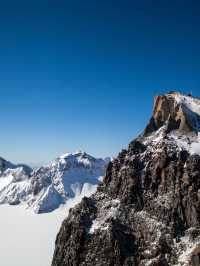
(7, 167)
(13, 181)
(46, 188)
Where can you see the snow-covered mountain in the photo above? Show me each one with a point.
(44, 189)
(6, 166)
(13, 180)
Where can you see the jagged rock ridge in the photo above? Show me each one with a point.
(147, 210)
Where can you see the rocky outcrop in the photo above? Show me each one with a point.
(168, 109)
(147, 210)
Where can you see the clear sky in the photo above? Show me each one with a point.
(83, 74)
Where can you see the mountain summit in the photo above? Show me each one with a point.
(147, 210)
(46, 188)
(176, 112)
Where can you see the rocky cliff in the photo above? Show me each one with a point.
(147, 210)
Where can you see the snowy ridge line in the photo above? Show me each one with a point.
(46, 188)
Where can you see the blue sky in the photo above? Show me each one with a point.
(83, 74)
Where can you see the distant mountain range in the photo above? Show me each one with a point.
(46, 188)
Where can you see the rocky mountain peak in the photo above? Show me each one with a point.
(79, 158)
(175, 111)
(147, 210)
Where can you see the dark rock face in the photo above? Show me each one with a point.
(145, 213)
(2, 164)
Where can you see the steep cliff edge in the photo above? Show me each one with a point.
(147, 210)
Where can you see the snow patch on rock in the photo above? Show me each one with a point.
(187, 249)
(109, 210)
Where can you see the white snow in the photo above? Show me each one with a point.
(190, 102)
(28, 239)
(4, 181)
(63, 156)
(189, 143)
(51, 185)
(195, 146)
(155, 137)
